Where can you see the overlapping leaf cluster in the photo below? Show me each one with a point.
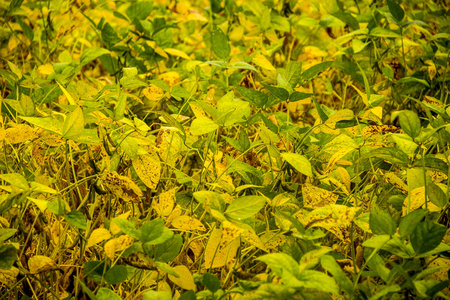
(224, 149)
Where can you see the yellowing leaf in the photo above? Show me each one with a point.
(176, 52)
(46, 69)
(148, 168)
(97, 236)
(188, 223)
(118, 244)
(39, 264)
(417, 200)
(113, 227)
(261, 61)
(122, 187)
(185, 281)
(172, 78)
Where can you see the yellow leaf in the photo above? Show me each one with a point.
(20, 133)
(315, 197)
(122, 187)
(118, 244)
(39, 263)
(262, 62)
(273, 240)
(9, 277)
(185, 281)
(153, 93)
(418, 200)
(188, 223)
(176, 52)
(217, 256)
(46, 69)
(97, 236)
(148, 168)
(361, 94)
(165, 203)
(172, 78)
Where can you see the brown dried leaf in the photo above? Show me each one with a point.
(39, 263)
(148, 168)
(118, 244)
(188, 223)
(97, 236)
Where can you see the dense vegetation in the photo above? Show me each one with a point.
(231, 149)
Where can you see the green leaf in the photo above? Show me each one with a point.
(278, 92)
(280, 263)
(116, 274)
(396, 10)
(299, 162)
(410, 123)
(211, 282)
(323, 116)
(384, 33)
(245, 207)
(231, 110)
(95, 270)
(57, 207)
(76, 219)
(347, 18)
(219, 43)
(413, 80)
(166, 268)
(314, 71)
(381, 222)
(297, 96)
(139, 10)
(427, 235)
(256, 98)
(6, 233)
(73, 125)
(154, 232)
(241, 65)
(330, 265)
(391, 154)
(169, 250)
(27, 105)
(8, 255)
(15, 69)
(109, 36)
(410, 221)
(436, 195)
(127, 227)
(15, 179)
(317, 281)
(92, 53)
(107, 294)
(203, 125)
